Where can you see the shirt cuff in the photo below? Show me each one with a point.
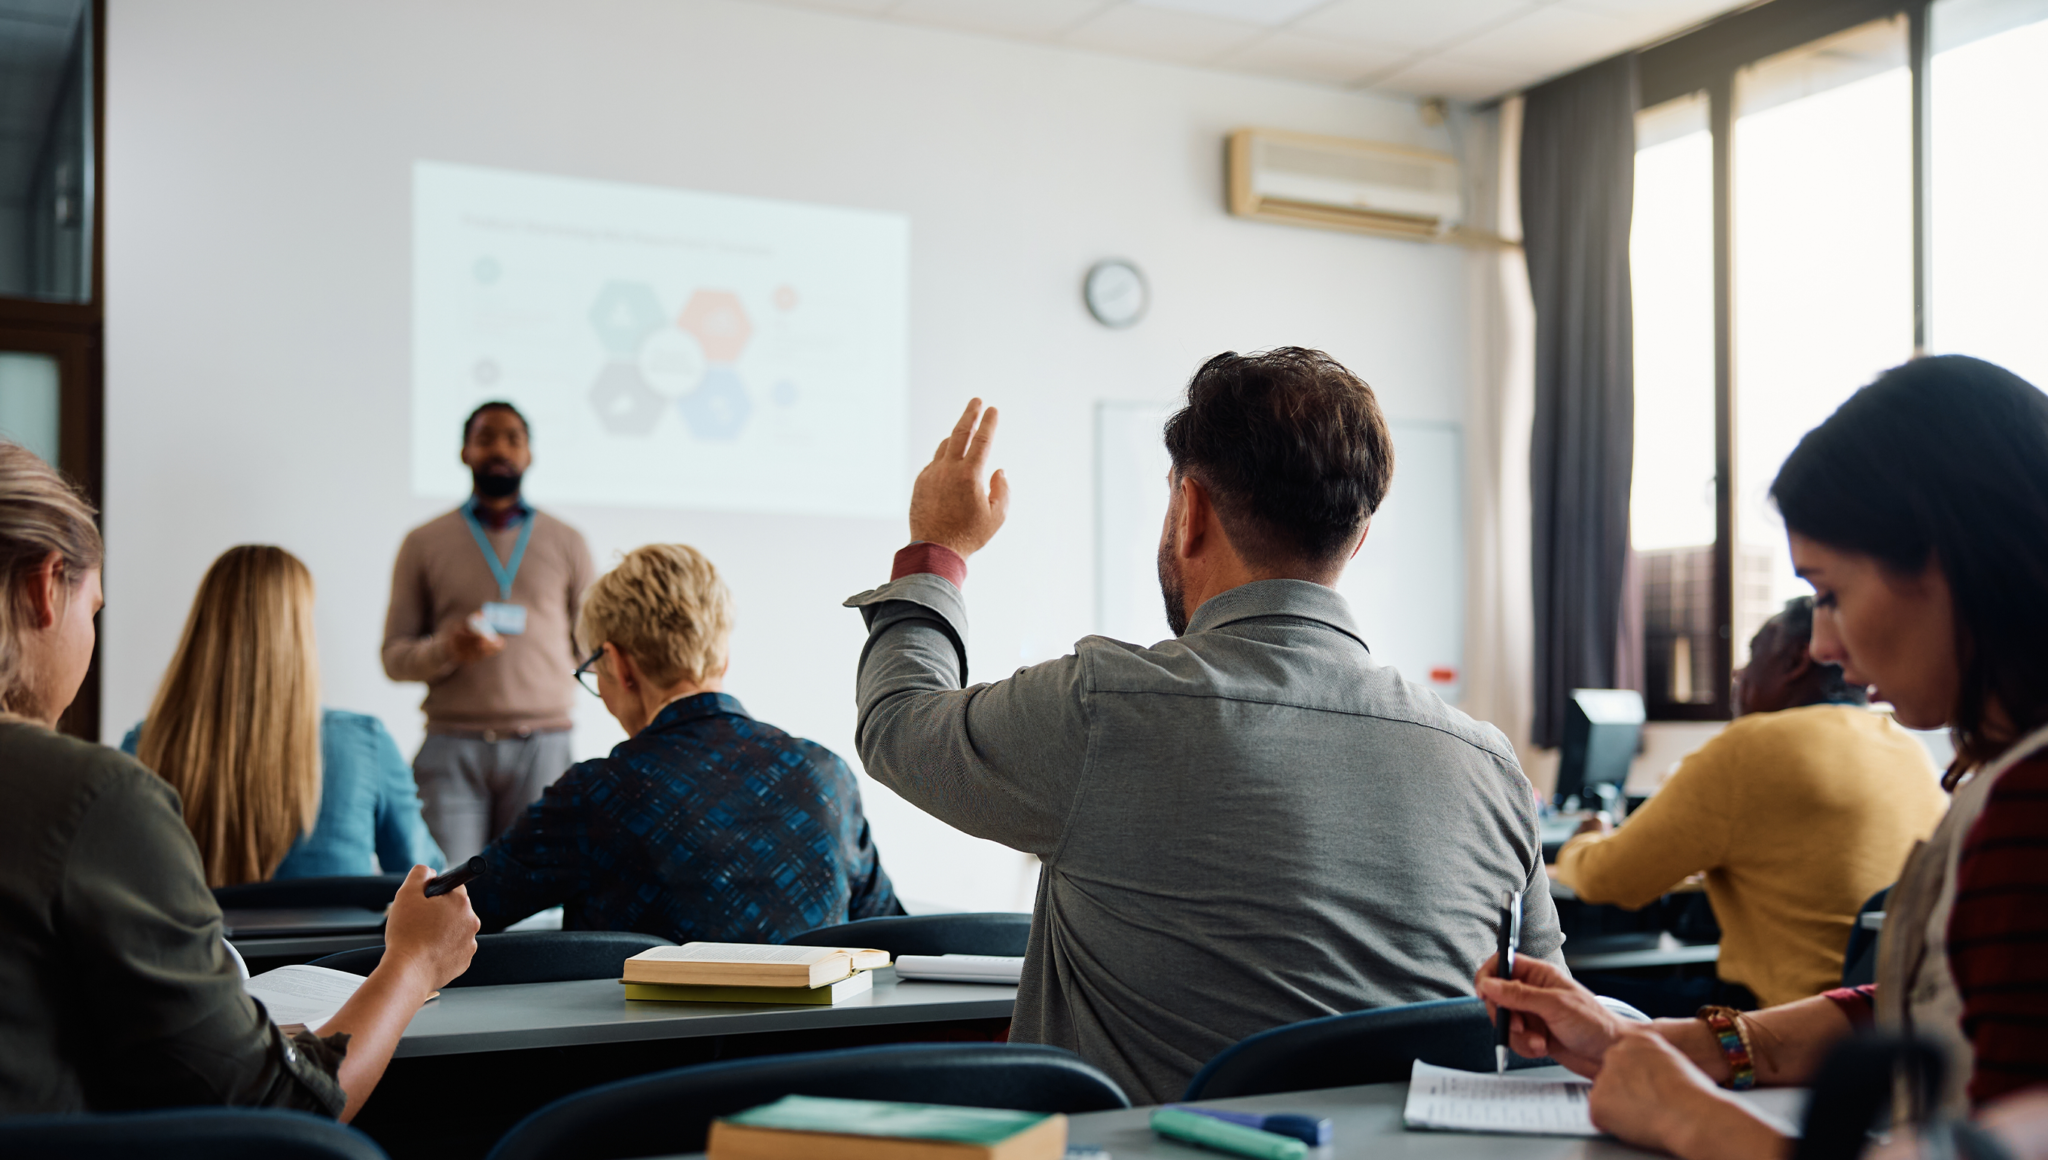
(937, 559)
(1858, 1004)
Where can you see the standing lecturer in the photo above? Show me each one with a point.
(483, 609)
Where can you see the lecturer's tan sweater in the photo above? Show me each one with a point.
(1797, 817)
(441, 578)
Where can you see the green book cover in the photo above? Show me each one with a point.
(985, 1126)
(823, 996)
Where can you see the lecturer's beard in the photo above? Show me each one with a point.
(1171, 589)
(494, 485)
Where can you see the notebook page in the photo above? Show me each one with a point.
(303, 993)
(1469, 1101)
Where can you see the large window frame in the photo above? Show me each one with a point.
(1707, 60)
(74, 334)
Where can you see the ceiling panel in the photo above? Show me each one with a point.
(1310, 58)
(1406, 24)
(1038, 20)
(1264, 13)
(1459, 80)
(1162, 35)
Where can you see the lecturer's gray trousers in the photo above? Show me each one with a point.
(474, 787)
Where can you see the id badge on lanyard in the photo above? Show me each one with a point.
(501, 616)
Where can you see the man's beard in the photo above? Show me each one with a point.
(1170, 587)
(493, 485)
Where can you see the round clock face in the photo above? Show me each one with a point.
(1116, 293)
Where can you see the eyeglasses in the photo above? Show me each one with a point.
(587, 676)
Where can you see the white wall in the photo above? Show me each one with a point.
(259, 166)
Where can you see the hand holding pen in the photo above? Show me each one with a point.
(1510, 937)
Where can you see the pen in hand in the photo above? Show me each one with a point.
(1504, 967)
(442, 884)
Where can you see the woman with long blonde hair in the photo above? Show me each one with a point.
(116, 990)
(273, 786)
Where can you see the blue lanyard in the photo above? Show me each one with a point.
(504, 572)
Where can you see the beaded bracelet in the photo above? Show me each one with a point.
(1726, 1024)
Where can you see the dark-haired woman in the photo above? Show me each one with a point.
(1919, 512)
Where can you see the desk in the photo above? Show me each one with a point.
(1366, 1121)
(595, 1011)
(270, 938)
(1623, 952)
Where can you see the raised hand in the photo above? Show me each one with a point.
(949, 505)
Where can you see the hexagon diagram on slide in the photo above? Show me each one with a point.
(719, 407)
(624, 314)
(719, 322)
(625, 404)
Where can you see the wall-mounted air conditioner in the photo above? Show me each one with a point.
(1337, 183)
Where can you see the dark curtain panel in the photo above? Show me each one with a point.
(1578, 190)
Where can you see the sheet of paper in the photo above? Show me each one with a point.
(303, 993)
(710, 952)
(963, 968)
(1469, 1101)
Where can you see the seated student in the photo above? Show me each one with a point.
(1919, 512)
(273, 785)
(704, 824)
(1250, 824)
(116, 991)
(1798, 812)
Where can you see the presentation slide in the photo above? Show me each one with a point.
(672, 349)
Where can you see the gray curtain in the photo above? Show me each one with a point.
(1578, 191)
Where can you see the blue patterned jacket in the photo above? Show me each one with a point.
(706, 825)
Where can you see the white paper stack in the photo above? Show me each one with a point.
(962, 968)
(1471, 1101)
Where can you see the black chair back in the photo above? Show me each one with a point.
(1379, 1046)
(1859, 961)
(671, 1112)
(185, 1134)
(370, 891)
(998, 933)
(536, 956)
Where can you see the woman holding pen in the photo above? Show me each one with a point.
(116, 991)
(1919, 512)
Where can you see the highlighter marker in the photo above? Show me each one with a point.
(474, 868)
(1224, 1136)
(1307, 1129)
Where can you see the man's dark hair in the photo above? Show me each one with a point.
(1945, 459)
(469, 424)
(1794, 626)
(1292, 449)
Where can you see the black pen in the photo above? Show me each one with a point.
(442, 884)
(1504, 967)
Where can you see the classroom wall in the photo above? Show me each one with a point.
(257, 192)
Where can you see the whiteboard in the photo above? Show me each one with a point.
(1406, 587)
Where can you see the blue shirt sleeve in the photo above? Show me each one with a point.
(133, 740)
(403, 840)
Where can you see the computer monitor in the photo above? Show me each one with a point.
(1603, 728)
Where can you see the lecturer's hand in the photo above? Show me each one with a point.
(432, 938)
(466, 644)
(948, 504)
(1550, 1014)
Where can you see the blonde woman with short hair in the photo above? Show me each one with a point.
(273, 786)
(704, 824)
(116, 991)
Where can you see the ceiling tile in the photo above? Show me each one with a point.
(1030, 19)
(1266, 13)
(1443, 76)
(1307, 58)
(869, 7)
(1406, 24)
(1559, 38)
(1161, 35)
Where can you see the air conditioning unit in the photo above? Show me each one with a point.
(1342, 184)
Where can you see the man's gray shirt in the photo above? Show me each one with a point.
(1247, 826)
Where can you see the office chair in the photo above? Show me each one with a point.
(999, 933)
(539, 956)
(1859, 961)
(1379, 1046)
(671, 1111)
(185, 1134)
(369, 891)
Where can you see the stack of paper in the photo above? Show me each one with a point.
(1471, 1101)
(962, 968)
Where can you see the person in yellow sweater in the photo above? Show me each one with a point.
(1798, 811)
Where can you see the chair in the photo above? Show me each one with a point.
(1859, 961)
(999, 933)
(185, 1134)
(541, 956)
(369, 891)
(1379, 1046)
(671, 1111)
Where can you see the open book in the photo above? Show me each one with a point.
(705, 964)
(302, 993)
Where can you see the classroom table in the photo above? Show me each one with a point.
(595, 1011)
(1366, 1121)
(273, 937)
(1627, 952)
